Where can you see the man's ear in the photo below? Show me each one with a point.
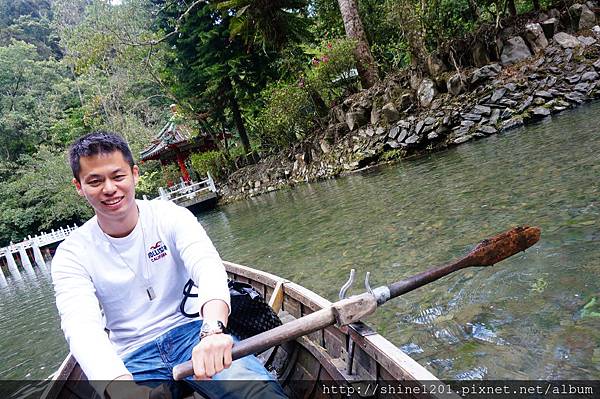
(136, 174)
(77, 185)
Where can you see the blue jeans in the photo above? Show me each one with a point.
(153, 363)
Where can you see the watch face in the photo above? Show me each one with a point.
(211, 327)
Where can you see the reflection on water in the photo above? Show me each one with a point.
(535, 316)
(31, 343)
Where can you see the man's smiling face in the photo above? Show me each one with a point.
(108, 183)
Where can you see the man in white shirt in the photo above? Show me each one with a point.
(133, 259)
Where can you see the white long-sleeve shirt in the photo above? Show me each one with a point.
(90, 269)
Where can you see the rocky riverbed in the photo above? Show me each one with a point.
(550, 65)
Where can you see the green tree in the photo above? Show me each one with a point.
(214, 74)
(33, 95)
(267, 23)
(115, 69)
(40, 197)
(29, 21)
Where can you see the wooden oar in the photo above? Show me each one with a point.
(350, 310)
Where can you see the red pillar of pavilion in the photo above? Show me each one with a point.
(181, 162)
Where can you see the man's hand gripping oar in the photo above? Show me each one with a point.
(350, 310)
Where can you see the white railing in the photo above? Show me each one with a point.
(40, 240)
(188, 190)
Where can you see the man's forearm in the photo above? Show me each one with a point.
(215, 309)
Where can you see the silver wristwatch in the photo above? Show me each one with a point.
(210, 327)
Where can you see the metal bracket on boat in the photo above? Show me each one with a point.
(382, 294)
(348, 284)
(342, 295)
(367, 285)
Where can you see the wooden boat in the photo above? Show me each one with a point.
(305, 365)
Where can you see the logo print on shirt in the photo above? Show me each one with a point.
(157, 251)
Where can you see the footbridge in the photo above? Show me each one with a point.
(29, 252)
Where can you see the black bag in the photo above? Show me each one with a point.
(250, 314)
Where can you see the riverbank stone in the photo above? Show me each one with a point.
(582, 87)
(462, 139)
(455, 84)
(403, 135)
(356, 119)
(540, 112)
(426, 92)
(587, 18)
(487, 129)
(589, 76)
(481, 110)
(586, 40)
(515, 49)
(497, 95)
(485, 72)
(472, 117)
(390, 113)
(512, 123)
(566, 41)
(535, 37)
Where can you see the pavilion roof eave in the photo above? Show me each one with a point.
(170, 151)
(169, 136)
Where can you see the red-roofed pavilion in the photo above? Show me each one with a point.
(175, 143)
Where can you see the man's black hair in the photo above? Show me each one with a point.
(99, 142)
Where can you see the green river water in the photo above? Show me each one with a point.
(534, 316)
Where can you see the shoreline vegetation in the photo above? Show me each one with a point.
(288, 91)
(362, 133)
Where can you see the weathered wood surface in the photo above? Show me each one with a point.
(487, 253)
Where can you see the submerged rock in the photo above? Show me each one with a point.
(480, 332)
(411, 348)
(478, 373)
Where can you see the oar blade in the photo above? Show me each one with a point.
(504, 245)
